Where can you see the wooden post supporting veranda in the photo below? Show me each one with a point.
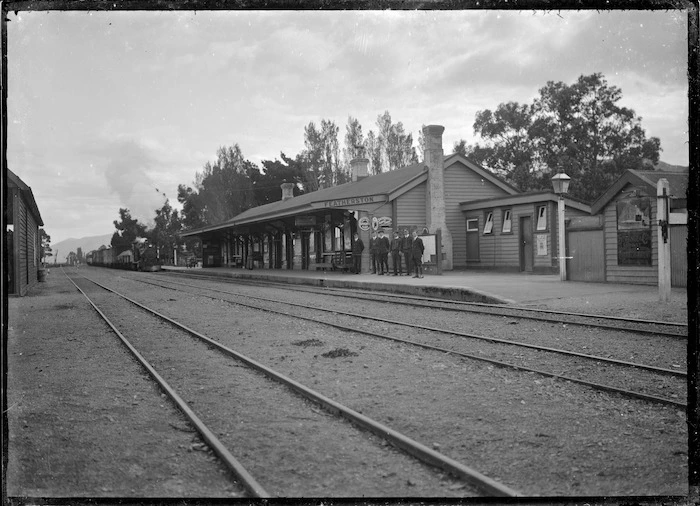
(663, 241)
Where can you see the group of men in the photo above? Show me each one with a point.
(410, 248)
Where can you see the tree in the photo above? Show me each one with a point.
(354, 142)
(579, 129)
(128, 229)
(391, 148)
(322, 156)
(221, 190)
(267, 184)
(45, 240)
(460, 147)
(165, 232)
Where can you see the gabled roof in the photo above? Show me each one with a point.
(524, 198)
(677, 181)
(14, 180)
(482, 172)
(380, 186)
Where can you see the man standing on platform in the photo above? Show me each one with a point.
(383, 248)
(373, 252)
(406, 249)
(396, 243)
(418, 247)
(357, 248)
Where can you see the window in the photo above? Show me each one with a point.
(488, 226)
(472, 224)
(634, 243)
(542, 218)
(506, 222)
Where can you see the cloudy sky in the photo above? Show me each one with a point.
(110, 110)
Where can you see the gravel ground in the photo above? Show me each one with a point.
(510, 426)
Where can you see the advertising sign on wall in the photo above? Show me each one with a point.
(542, 250)
(364, 223)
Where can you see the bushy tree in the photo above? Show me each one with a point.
(164, 235)
(221, 190)
(128, 229)
(45, 240)
(579, 129)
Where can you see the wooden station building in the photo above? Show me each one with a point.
(316, 230)
(22, 237)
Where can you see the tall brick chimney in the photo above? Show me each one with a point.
(434, 159)
(287, 190)
(360, 168)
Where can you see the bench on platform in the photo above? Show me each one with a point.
(342, 260)
(319, 266)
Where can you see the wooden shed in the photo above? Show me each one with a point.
(517, 232)
(22, 239)
(628, 212)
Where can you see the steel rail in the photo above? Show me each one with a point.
(597, 386)
(651, 368)
(214, 443)
(418, 450)
(474, 307)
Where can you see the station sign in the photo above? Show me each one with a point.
(351, 202)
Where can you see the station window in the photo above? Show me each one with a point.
(507, 222)
(472, 224)
(542, 218)
(488, 225)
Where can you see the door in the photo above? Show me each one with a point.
(585, 250)
(678, 235)
(472, 239)
(526, 254)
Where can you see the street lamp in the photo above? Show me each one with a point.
(560, 182)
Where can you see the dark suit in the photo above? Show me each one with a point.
(417, 248)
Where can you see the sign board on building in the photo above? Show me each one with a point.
(364, 223)
(305, 221)
(375, 223)
(384, 221)
(542, 250)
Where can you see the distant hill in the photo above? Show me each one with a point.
(666, 167)
(87, 244)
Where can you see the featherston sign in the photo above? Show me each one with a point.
(350, 201)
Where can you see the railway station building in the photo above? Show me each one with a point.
(316, 230)
(467, 217)
(22, 237)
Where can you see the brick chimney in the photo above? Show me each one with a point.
(287, 191)
(360, 168)
(434, 159)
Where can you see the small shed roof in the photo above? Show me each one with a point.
(524, 198)
(647, 179)
(14, 181)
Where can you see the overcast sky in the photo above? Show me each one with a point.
(110, 110)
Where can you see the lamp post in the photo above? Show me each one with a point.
(560, 182)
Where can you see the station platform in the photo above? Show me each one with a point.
(476, 286)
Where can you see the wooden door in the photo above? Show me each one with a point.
(526, 246)
(472, 239)
(585, 250)
(678, 235)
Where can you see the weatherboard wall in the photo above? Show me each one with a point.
(463, 184)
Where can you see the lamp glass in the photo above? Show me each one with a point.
(560, 182)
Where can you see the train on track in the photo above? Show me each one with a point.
(142, 256)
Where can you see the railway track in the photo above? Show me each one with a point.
(165, 351)
(572, 366)
(638, 326)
